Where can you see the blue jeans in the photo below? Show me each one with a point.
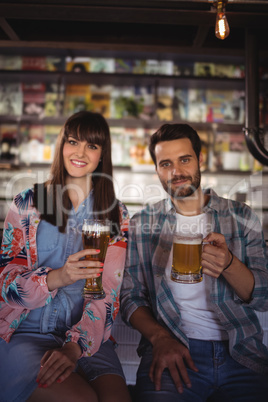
(219, 379)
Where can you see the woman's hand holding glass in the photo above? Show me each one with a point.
(74, 270)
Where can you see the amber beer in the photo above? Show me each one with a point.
(186, 265)
(95, 235)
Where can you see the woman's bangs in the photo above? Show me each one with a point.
(91, 134)
(85, 132)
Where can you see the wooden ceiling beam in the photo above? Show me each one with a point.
(127, 14)
(139, 15)
(125, 47)
(8, 30)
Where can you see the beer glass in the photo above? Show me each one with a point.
(186, 264)
(95, 235)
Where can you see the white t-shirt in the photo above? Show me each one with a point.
(193, 300)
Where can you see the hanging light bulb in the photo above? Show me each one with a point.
(222, 29)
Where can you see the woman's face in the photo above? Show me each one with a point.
(80, 157)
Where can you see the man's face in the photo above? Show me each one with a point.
(178, 167)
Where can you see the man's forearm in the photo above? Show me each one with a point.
(143, 320)
(240, 278)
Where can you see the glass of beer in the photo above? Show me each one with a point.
(95, 235)
(186, 264)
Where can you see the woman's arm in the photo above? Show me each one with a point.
(98, 315)
(23, 285)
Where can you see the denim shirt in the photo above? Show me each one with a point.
(53, 249)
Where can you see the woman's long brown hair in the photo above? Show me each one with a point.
(49, 198)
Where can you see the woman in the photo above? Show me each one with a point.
(55, 345)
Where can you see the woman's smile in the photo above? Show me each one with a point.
(78, 163)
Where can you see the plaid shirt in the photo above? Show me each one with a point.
(145, 284)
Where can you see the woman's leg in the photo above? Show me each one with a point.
(20, 364)
(104, 373)
(74, 388)
(111, 388)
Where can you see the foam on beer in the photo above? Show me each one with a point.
(95, 228)
(187, 240)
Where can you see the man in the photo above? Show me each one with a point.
(199, 340)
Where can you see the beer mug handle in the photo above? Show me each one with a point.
(205, 242)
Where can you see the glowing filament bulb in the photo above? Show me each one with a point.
(222, 29)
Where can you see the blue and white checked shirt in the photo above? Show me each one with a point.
(144, 284)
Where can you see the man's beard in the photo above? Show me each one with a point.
(182, 191)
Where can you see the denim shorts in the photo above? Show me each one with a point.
(105, 361)
(219, 379)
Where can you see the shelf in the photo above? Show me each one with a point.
(29, 76)
(121, 79)
(129, 122)
(236, 172)
(25, 119)
(20, 166)
(8, 166)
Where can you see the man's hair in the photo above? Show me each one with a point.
(170, 132)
